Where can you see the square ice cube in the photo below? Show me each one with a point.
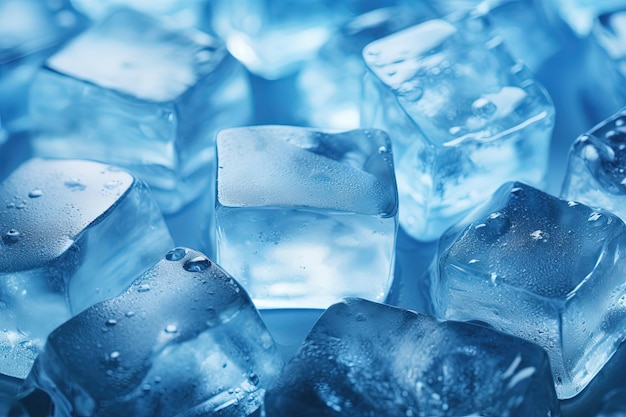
(367, 359)
(463, 115)
(30, 30)
(72, 233)
(305, 217)
(547, 270)
(131, 92)
(596, 174)
(184, 339)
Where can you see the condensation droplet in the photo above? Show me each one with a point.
(111, 322)
(197, 264)
(171, 328)
(144, 288)
(36, 193)
(74, 184)
(11, 237)
(176, 254)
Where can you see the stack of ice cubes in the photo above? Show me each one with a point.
(381, 167)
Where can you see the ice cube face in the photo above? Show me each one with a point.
(131, 92)
(596, 174)
(274, 37)
(73, 233)
(547, 270)
(305, 217)
(464, 117)
(30, 30)
(184, 339)
(363, 358)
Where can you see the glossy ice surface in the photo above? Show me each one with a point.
(30, 30)
(72, 233)
(131, 92)
(544, 269)
(463, 115)
(596, 174)
(305, 217)
(368, 359)
(184, 339)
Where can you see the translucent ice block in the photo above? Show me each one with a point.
(183, 340)
(544, 269)
(305, 217)
(464, 117)
(274, 37)
(72, 233)
(30, 30)
(368, 359)
(596, 174)
(330, 86)
(131, 92)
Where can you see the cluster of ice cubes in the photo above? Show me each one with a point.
(186, 186)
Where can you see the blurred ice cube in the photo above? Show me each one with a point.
(305, 217)
(72, 233)
(368, 359)
(463, 115)
(183, 340)
(131, 92)
(544, 269)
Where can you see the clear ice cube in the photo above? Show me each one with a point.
(548, 270)
(367, 359)
(30, 30)
(131, 92)
(330, 86)
(596, 174)
(305, 217)
(463, 115)
(184, 339)
(72, 233)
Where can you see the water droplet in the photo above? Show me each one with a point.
(111, 322)
(197, 264)
(171, 328)
(360, 317)
(35, 193)
(115, 355)
(10, 205)
(473, 261)
(144, 288)
(157, 379)
(594, 216)
(176, 254)
(11, 237)
(382, 149)
(112, 184)
(572, 203)
(74, 184)
(540, 235)
(254, 378)
(484, 108)
(130, 313)
(21, 206)
(146, 387)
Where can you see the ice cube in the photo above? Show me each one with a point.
(131, 92)
(463, 115)
(596, 174)
(305, 217)
(272, 38)
(544, 269)
(72, 233)
(365, 359)
(184, 339)
(330, 86)
(30, 30)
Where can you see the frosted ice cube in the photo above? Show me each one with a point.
(596, 174)
(184, 339)
(305, 217)
(463, 115)
(132, 92)
(365, 359)
(544, 269)
(72, 233)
